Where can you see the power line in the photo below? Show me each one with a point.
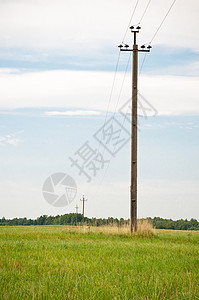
(144, 59)
(130, 20)
(162, 21)
(119, 97)
(110, 97)
(156, 32)
(126, 70)
(145, 11)
(106, 170)
(118, 61)
(118, 64)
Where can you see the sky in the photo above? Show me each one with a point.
(64, 107)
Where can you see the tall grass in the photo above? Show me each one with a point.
(144, 229)
(62, 262)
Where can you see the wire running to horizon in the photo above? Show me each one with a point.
(111, 93)
(156, 32)
(145, 11)
(106, 170)
(115, 111)
(110, 97)
(126, 70)
(163, 21)
(143, 62)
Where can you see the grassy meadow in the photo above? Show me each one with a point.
(59, 262)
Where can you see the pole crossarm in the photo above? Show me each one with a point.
(135, 50)
(134, 114)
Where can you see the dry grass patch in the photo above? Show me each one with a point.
(144, 229)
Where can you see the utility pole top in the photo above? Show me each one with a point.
(135, 31)
(133, 186)
(83, 206)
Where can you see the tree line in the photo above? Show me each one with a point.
(181, 224)
(77, 219)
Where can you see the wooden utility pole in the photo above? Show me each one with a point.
(83, 206)
(133, 187)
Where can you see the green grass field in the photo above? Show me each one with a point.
(58, 262)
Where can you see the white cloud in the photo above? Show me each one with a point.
(10, 139)
(172, 95)
(13, 141)
(89, 24)
(191, 69)
(89, 91)
(180, 125)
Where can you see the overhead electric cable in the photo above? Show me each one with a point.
(145, 11)
(156, 32)
(111, 93)
(110, 97)
(162, 21)
(126, 70)
(105, 172)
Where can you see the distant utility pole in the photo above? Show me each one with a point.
(76, 212)
(83, 206)
(133, 188)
